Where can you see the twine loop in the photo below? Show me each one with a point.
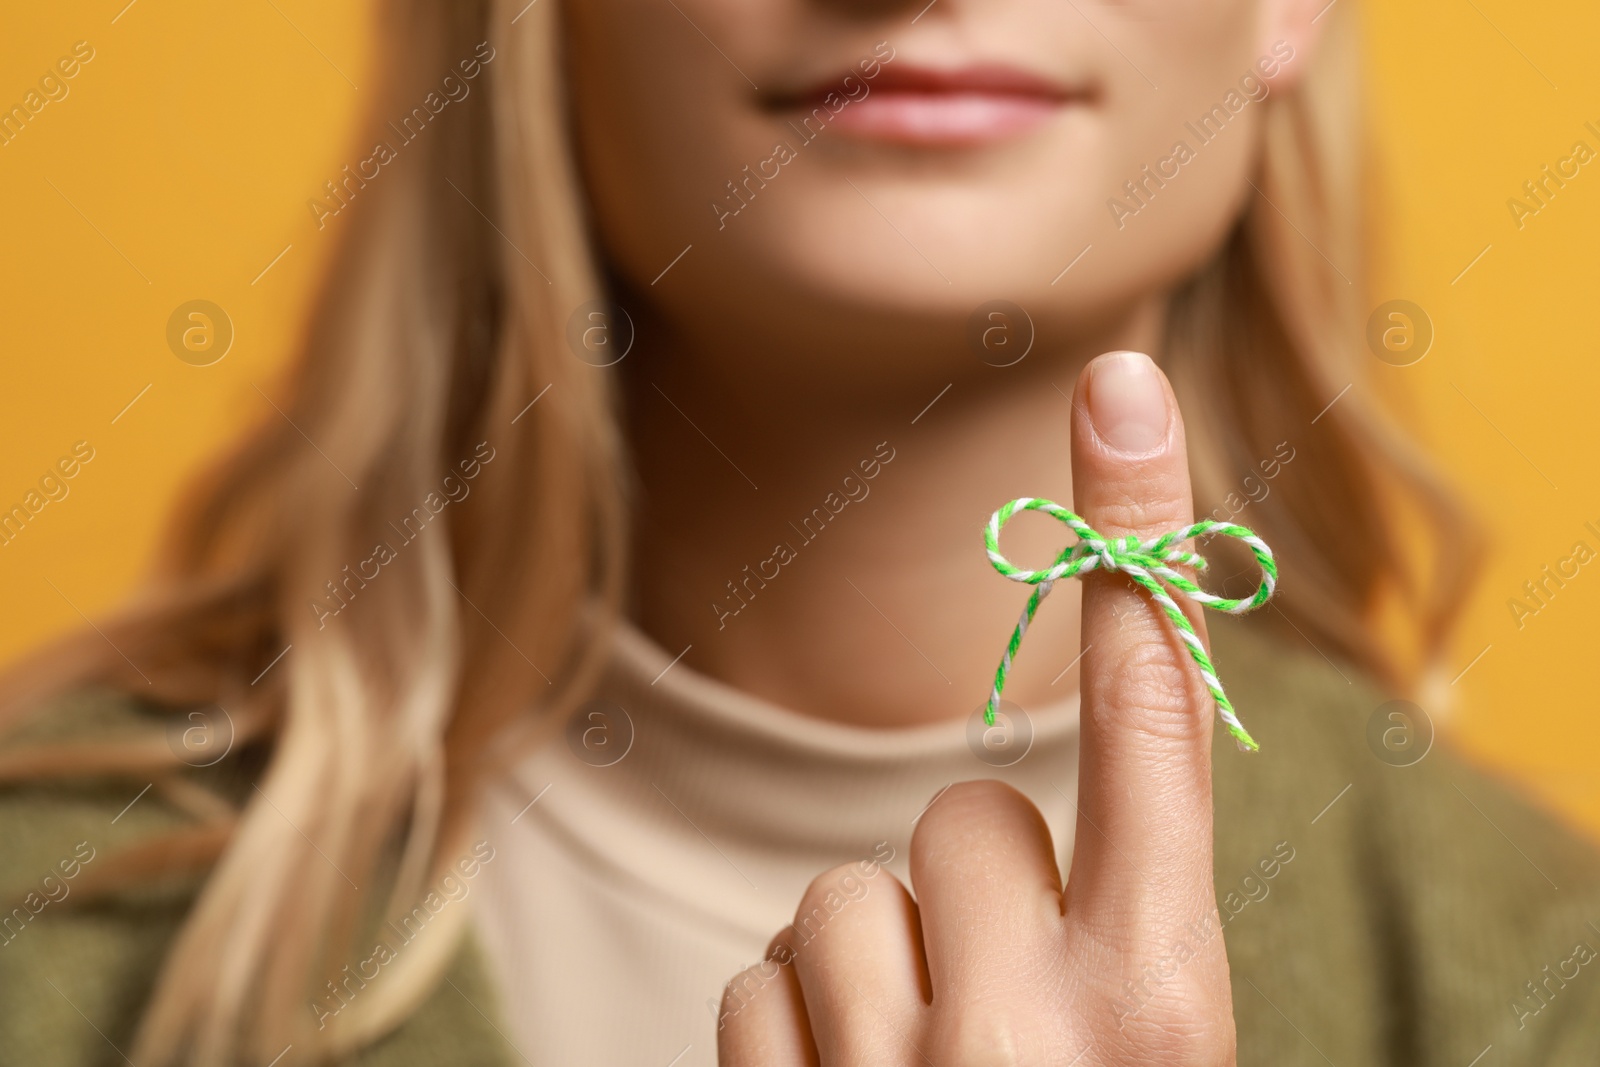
(1149, 563)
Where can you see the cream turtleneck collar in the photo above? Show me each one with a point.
(649, 851)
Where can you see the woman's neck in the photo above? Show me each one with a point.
(823, 550)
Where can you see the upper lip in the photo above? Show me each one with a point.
(989, 79)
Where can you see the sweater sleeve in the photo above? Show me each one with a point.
(1498, 906)
(1429, 917)
(73, 973)
(76, 971)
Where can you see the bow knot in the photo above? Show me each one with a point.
(1152, 565)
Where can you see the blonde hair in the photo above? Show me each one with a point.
(435, 331)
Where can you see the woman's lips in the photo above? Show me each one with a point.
(943, 118)
(924, 106)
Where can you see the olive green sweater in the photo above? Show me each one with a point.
(1373, 913)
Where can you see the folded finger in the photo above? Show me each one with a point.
(856, 947)
(762, 1021)
(989, 891)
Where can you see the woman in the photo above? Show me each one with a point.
(604, 617)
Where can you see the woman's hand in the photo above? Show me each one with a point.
(994, 963)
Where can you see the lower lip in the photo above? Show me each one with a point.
(944, 118)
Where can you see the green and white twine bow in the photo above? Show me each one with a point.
(1150, 563)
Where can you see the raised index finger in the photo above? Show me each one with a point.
(1142, 854)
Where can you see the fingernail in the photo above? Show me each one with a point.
(1127, 404)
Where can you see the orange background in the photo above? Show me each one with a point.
(179, 165)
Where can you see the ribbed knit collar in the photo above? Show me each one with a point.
(731, 803)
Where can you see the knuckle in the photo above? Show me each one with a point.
(983, 1039)
(747, 987)
(1139, 503)
(781, 948)
(1181, 1034)
(827, 882)
(1177, 1009)
(844, 880)
(825, 898)
(1152, 688)
(1123, 515)
(1009, 1032)
(974, 797)
(959, 807)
